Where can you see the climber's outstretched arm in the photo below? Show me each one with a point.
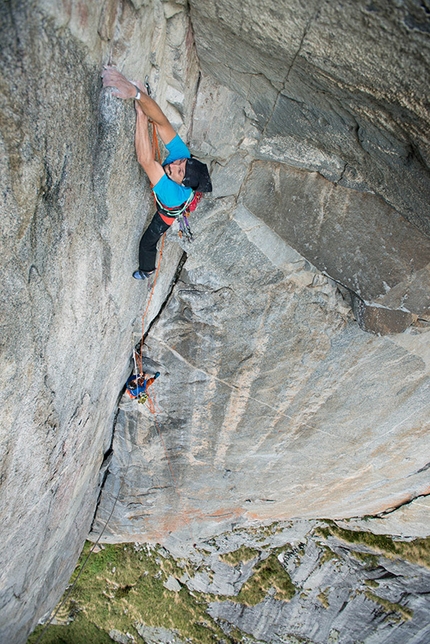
(126, 89)
(144, 147)
(154, 112)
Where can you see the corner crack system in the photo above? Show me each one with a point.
(109, 454)
(168, 295)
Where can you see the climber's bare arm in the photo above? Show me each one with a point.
(126, 89)
(144, 147)
(154, 112)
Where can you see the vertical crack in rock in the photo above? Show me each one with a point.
(311, 18)
(193, 107)
(104, 471)
(168, 295)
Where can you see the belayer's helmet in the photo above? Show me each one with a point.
(197, 176)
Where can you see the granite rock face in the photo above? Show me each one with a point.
(273, 403)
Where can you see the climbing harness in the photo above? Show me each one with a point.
(180, 213)
(177, 210)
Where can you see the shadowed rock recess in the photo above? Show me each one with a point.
(293, 333)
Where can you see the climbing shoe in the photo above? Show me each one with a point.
(141, 275)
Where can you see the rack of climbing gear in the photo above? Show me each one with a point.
(184, 228)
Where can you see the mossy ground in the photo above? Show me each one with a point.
(241, 555)
(267, 574)
(80, 631)
(122, 586)
(390, 607)
(416, 551)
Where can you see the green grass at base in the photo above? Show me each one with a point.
(267, 574)
(120, 587)
(416, 551)
(80, 631)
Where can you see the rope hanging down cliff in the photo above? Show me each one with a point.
(138, 383)
(177, 184)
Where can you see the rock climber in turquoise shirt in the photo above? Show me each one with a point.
(175, 183)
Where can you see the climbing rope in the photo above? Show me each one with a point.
(184, 230)
(157, 270)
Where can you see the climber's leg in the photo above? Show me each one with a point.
(148, 244)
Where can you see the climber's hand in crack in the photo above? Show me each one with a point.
(123, 87)
(126, 89)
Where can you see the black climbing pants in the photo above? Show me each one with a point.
(148, 243)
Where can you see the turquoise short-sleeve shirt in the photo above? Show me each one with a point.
(172, 194)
